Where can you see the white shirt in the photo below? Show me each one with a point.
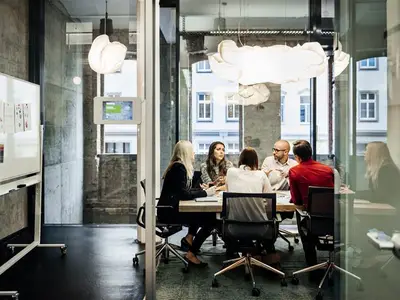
(277, 181)
(244, 180)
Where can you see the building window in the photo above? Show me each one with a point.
(203, 148)
(232, 108)
(360, 148)
(203, 67)
(121, 148)
(304, 109)
(369, 64)
(204, 109)
(233, 148)
(282, 109)
(368, 106)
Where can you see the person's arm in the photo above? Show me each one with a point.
(204, 174)
(295, 196)
(180, 181)
(267, 188)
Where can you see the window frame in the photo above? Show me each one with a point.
(206, 147)
(307, 111)
(204, 102)
(282, 110)
(368, 101)
(368, 66)
(201, 66)
(124, 146)
(236, 107)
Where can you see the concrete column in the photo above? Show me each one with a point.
(393, 46)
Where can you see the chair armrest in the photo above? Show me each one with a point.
(165, 206)
(302, 213)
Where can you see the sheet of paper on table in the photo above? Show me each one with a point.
(207, 199)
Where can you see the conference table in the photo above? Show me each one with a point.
(283, 205)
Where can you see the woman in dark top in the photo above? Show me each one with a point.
(383, 175)
(177, 187)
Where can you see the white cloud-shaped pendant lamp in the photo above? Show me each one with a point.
(106, 57)
(341, 60)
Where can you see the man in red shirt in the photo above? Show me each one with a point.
(307, 173)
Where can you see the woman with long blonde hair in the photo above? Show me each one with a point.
(382, 173)
(177, 187)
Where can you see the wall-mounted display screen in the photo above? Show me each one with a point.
(117, 111)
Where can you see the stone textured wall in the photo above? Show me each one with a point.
(63, 134)
(14, 61)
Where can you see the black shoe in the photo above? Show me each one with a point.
(200, 265)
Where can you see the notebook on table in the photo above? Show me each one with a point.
(207, 199)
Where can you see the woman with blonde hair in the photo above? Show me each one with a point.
(177, 187)
(383, 174)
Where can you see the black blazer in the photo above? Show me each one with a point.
(174, 187)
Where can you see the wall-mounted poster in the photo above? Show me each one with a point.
(27, 117)
(19, 118)
(1, 116)
(9, 118)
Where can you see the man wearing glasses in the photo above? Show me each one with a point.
(277, 166)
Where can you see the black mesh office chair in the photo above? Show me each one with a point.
(249, 221)
(164, 231)
(322, 206)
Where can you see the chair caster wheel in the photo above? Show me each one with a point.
(319, 296)
(16, 296)
(214, 283)
(291, 248)
(283, 282)
(63, 250)
(360, 287)
(296, 240)
(12, 250)
(166, 261)
(295, 280)
(185, 269)
(255, 292)
(135, 262)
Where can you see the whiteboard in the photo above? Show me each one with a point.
(20, 147)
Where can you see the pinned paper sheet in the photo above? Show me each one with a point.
(19, 118)
(1, 116)
(9, 118)
(27, 117)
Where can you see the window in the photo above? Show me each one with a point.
(368, 106)
(282, 109)
(369, 64)
(204, 107)
(232, 108)
(121, 147)
(304, 109)
(203, 67)
(203, 148)
(233, 148)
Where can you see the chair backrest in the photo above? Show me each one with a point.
(249, 215)
(321, 208)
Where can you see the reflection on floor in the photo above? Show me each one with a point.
(99, 266)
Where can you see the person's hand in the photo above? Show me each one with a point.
(284, 174)
(204, 186)
(211, 191)
(268, 172)
(220, 180)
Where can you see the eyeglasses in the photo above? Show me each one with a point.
(276, 150)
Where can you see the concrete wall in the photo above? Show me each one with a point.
(14, 62)
(63, 134)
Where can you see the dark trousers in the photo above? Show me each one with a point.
(308, 241)
(200, 226)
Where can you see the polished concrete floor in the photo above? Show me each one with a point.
(98, 266)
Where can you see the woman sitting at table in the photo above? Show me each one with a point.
(382, 174)
(177, 187)
(213, 171)
(247, 178)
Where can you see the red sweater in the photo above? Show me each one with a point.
(308, 173)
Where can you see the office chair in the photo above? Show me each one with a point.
(283, 234)
(164, 231)
(322, 226)
(247, 222)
